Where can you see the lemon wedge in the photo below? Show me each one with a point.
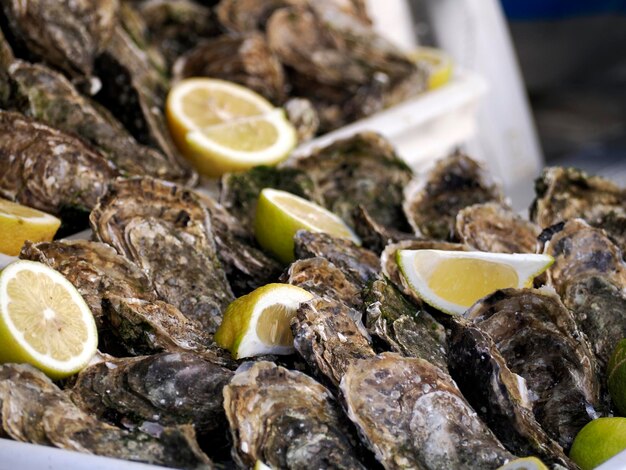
(221, 126)
(452, 281)
(598, 441)
(258, 323)
(20, 223)
(44, 321)
(279, 215)
(261, 466)
(527, 463)
(437, 63)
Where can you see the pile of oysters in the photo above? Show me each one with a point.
(378, 379)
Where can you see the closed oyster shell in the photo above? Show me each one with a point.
(322, 278)
(329, 336)
(47, 96)
(44, 168)
(403, 327)
(303, 116)
(590, 276)
(286, 420)
(360, 170)
(498, 395)
(166, 388)
(375, 236)
(359, 265)
(245, 59)
(65, 34)
(433, 200)
(167, 231)
(37, 411)
(412, 415)
(568, 193)
(242, 16)
(561, 377)
(495, 228)
(240, 191)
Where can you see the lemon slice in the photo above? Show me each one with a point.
(452, 281)
(258, 323)
(20, 223)
(44, 321)
(221, 126)
(241, 144)
(261, 466)
(598, 441)
(437, 63)
(279, 215)
(527, 463)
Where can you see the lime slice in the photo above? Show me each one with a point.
(452, 281)
(20, 223)
(437, 63)
(279, 215)
(527, 463)
(44, 321)
(617, 377)
(221, 126)
(598, 441)
(258, 323)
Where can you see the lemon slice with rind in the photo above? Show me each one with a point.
(598, 441)
(437, 63)
(44, 321)
(258, 323)
(241, 144)
(452, 281)
(19, 223)
(279, 215)
(527, 463)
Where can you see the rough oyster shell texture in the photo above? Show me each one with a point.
(287, 420)
(167, 231)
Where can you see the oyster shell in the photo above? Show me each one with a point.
(373, 235)
(47, 96)
(245, 59)
(66, 34)
(561, 377)
(240, 191)
(568, 193)
(495, 228)
(498, 395)
(167, 231)
(46, 169)
(329, 336)
(303, 116)
(359, 265)
(404, 328)
(242, 16)
(37, 411)
(433, 200)
(360, 170)
(590, 276)
(287, 420)
(412, 415)
(322, 278)
(166, 388)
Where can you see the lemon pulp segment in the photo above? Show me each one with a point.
(273, 325)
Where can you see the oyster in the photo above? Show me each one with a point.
(405, 329)
(302, 114)
(329, 336)
(47, 96)
(240, 191)
(568, 193)
(46, 169)
(498, 395)
(322, 278)
(242, 16)
(167, 231)
(37, 411)
(66, 34)
(590, 276)
(433, 200)
(286, 420)
(360, 170)
(245, 59)
(373, 235)
(359, 265)
(492, 227)
(412, 415)
(561, 377)
(166, 388)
